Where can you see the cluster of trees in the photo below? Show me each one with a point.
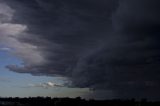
(48, 101)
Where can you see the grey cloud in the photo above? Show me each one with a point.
(6, 12)
(105, 45)
(69, 34)
(46, 85)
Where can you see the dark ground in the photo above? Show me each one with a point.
(47, 101)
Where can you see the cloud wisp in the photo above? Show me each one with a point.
(46, 85)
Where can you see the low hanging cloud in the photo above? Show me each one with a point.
(46, 85)
(110, 45)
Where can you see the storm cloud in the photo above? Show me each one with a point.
(108, 45)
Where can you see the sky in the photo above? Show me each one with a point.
(26, 85)
(100, 49)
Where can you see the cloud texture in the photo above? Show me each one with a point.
(110, 45)
(46, 85)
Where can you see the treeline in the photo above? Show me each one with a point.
(48, 101)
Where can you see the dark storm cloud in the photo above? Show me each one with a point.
(62, 31)
(105, 45)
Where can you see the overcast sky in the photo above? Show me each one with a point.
(91, 48)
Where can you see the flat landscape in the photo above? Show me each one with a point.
(47, 101)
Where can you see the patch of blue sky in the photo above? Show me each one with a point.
(16, 84)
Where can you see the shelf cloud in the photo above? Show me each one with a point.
(110, 45)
